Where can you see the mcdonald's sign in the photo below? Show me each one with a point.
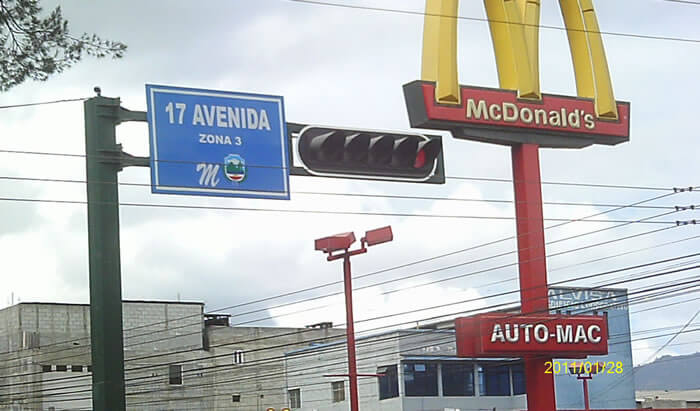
(517, 112)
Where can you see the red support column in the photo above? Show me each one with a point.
(532, 265)
(352, 364)
(585, 395)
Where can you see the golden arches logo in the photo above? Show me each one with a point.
(514, 26)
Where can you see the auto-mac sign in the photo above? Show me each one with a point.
(217, 143)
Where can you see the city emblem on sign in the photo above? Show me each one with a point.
(234, 168)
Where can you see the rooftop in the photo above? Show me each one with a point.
(682, 395)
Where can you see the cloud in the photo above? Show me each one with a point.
(375, 311)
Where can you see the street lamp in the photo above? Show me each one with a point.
(584, 372)
(337, 247)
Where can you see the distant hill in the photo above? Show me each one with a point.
(669, 373)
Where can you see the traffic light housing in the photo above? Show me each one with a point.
(369, 154)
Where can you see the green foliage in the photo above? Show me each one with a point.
(32, 47)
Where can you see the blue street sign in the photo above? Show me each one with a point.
(217, 143)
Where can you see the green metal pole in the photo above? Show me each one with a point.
(101, 118)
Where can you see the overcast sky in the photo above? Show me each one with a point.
(341, 66)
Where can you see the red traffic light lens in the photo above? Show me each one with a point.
(420, 159)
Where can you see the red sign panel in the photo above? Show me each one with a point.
(498, 116)
(509, 335)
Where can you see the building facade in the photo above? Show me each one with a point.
(421, 371)
(613, 388)
(176, 357)
(660, 399)
(46, 351)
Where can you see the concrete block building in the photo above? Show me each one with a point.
(176, 357)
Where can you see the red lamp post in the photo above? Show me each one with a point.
(337, 247)
(584, 372)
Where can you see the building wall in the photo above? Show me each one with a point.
(306, 370)
(659, 399)
(259, 379)
(464, 403)
(156, 336)
(34, 336)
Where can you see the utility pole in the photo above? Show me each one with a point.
(104, 159)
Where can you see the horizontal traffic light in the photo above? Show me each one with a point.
(371, 154)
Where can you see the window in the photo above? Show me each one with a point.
(175, 374)
(295, 398)
(45, 368)
(236, 398)
(389, 383)
(89, 368)
(76, 368)
(61, 368)
(518, 373)
(494, 380)
(457, 379)
(238, 357)
(338, 388)
(420, 379)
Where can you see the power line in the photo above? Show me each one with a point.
(469, 178)
(470, 248)
(437, 281)
(483, 297)
(669, 272)
(507, 253)
(496, 306)
(559, 183)
(695, 3)
(322, 212)
(257, 376)
(433, 258)
(396, 290)
(270, 358)
(363, 195)
(673, 337)
(366, 382)
(272, 389)
(451, 336)
(665, 305)
(190, 324)
(481, 19)
(338, 365)
(411, 263)
(413, 276)
(220, 367)
(41, 103)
